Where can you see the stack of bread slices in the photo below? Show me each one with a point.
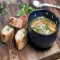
(21, 34)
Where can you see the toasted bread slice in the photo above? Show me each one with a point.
(19, 23)
(7, 33)
(12, 21)
(15, 22)
(24, 18)
(21, 38)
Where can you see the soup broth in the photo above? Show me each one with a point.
(43, 25)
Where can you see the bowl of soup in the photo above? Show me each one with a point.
(43, 26)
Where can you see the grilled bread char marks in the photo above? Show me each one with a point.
(19, 22)
(7, 33)
(24, 18)
(21, 38)
(15, 22)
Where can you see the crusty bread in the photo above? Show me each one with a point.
(19, 22)
(7, 33)
(12, 21)
(24, 18)
(21, 38)
(15, 22)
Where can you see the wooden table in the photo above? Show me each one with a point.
(7, 50)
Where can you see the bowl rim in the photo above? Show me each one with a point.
(57, 28)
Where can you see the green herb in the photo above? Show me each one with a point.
(43, 32)
(7, 7)
(46, 27)
(44, 18)
(1, 7)
(39, 29)
(25, 9)
(23, 31)
(34, 27)
(6, 10)
(8, 29)
(1, 14)
(30, 10)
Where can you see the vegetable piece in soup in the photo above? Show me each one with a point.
(43, 25)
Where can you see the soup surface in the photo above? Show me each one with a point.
(43, 25)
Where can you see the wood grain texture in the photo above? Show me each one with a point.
(9, 52)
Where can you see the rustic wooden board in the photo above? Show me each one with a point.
(34, 54)
(28, 52)
(9, 52)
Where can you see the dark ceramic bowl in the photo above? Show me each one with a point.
(41, 40)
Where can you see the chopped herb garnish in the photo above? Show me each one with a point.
(47, 19)
(43, 25)
(43, 32)
(7, 7)
(1, 7)
(6, 10)
(39, 29)
(46, 27)
(34, 27)
(1, 14)
(8, 29)
(25, 9)
(23, 31)
(30, 9)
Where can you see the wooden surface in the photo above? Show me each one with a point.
(9, 51)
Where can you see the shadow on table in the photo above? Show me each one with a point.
(36, 47)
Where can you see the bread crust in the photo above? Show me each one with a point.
(15, 22)
(20, 44)
(24, 18)
(7, 37)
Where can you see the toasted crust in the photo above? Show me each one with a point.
(12, 21)
(19, 23)
(24, 18)
(15, 22)
(21, 42)
(6, 36)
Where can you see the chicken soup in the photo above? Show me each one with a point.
(43, 25)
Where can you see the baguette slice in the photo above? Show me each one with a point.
(12, 21)
(24, 18)
(15, 22)
(7, 33)
(21, 38)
